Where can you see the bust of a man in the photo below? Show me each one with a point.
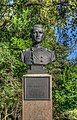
(37, 55)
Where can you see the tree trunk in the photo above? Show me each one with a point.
(0, 115)
(5, 114)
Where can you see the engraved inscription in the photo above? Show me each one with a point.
(37, 88)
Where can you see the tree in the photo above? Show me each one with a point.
(15, 25)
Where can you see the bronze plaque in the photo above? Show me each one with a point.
(37, 88)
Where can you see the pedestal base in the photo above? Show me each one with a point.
(37, 110)
(34, 109)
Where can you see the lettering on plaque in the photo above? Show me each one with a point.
(37, 88)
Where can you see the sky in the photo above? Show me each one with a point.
(10, 2)
(68, 35)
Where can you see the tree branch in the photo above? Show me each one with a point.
(8, 115)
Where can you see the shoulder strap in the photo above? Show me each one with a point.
(32, 61)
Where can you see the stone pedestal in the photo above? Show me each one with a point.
(37, 98)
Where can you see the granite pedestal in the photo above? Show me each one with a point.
(37, 97)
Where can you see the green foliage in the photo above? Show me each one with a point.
(15, 27)
(10, 86)
(71, 114)
(65, 91)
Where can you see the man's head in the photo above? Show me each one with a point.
(37, 33)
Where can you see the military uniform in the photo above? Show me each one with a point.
(37, 56)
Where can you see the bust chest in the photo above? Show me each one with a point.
(38, 56)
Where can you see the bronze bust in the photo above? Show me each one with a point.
(37, 55)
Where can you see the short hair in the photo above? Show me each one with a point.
(39, 26)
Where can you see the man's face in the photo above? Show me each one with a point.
(38, 34)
